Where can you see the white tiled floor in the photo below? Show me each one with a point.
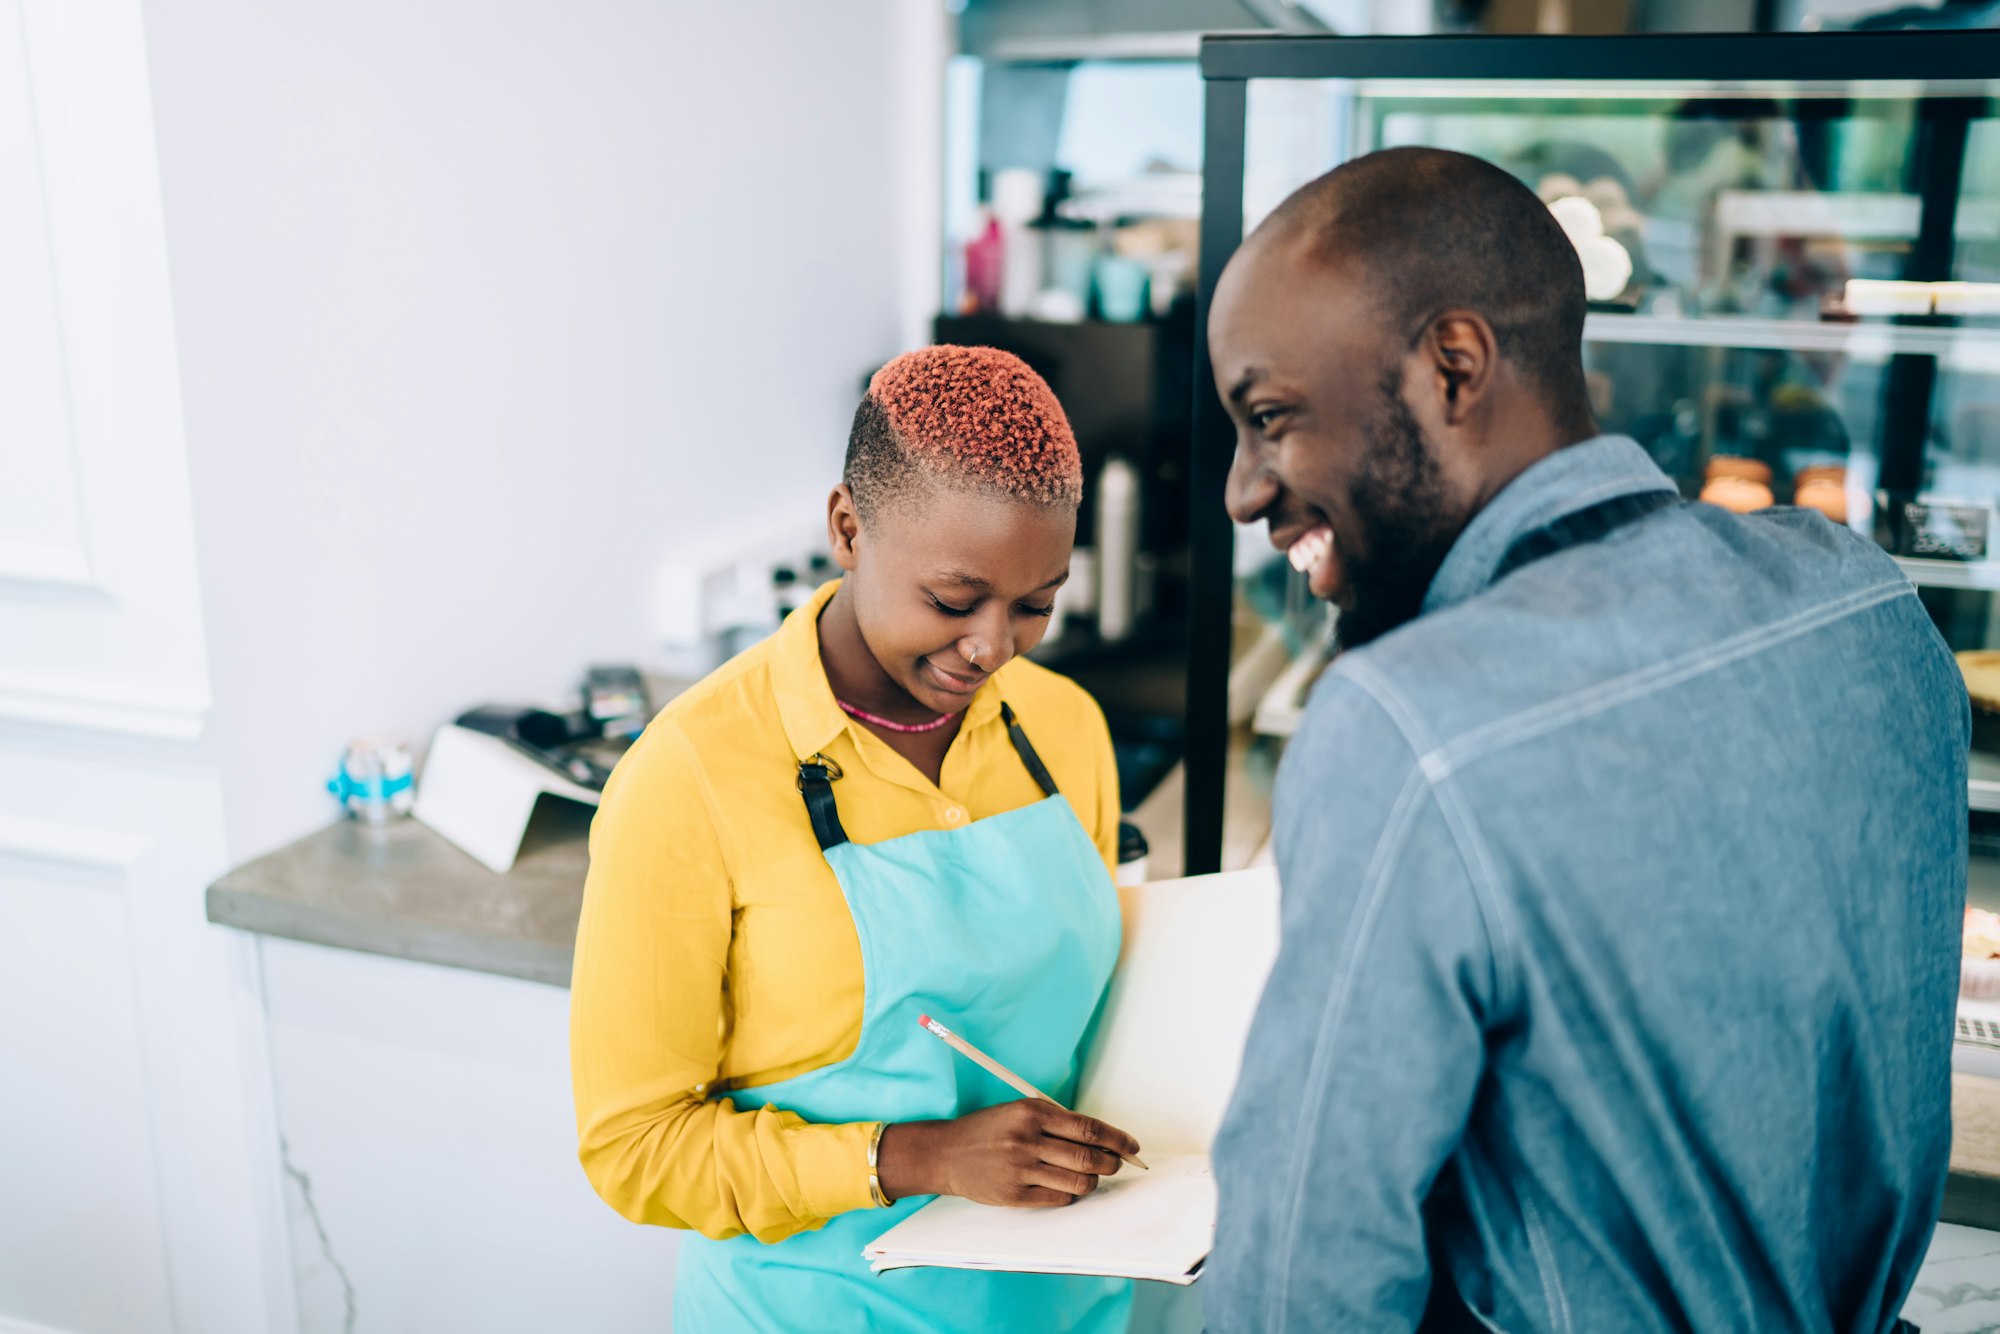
(1958, 1289)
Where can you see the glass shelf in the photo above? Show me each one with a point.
(1982, 575)
(1967, 347)
(1985, 784)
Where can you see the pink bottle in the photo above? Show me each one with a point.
(983, 258)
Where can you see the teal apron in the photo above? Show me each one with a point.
(1006, 931)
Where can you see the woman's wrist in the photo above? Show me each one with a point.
(907, 1161)
(875, 1194)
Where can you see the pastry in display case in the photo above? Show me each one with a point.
(1738, 484)
(1823, 488)
(1981, 669)
(1791, 253)
(1979, 973)
(1606, 260)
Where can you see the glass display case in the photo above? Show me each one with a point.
(1791, 246)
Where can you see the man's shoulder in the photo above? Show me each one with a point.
(1686, 592)
(1356, 746)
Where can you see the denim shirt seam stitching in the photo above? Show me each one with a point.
(1410, 723)
(1545, 1264)
(1475, 860)
(1483, 879)
(1503, 733)
(1387, 854)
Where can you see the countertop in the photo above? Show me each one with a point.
(403, 891)
(1972, 1193)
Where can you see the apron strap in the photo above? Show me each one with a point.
(816, 777)
(1585, 525)
(817, 774)
(1026, 750)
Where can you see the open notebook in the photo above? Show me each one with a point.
(1195, 956)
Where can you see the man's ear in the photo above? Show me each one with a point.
(843, 527)
(1462, 356)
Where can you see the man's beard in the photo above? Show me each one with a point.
(1406, 522)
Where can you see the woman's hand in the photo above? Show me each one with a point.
(1027, 1154)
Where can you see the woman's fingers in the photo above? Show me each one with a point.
(1085, 1130)
(1025, 1154)
(1078, 1157)
(1059, 1180)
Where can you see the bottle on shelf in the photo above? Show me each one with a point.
(983, 261)
(1017, 202)
(1117, 549)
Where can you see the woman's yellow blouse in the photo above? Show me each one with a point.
(716, 950)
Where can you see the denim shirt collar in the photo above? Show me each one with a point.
(1601, 468)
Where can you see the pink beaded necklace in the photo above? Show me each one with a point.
(877, 721)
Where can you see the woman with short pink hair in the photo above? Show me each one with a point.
(843, 829)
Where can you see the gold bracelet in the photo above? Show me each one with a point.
(874, 1162)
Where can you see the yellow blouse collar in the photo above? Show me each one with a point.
(806, 705)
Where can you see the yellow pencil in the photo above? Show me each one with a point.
(1002, 1073)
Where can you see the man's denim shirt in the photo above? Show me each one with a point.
(1622, 896)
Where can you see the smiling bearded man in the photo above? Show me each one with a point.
(1623, 851)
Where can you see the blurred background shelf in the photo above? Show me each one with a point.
(1985, 782)
(1982, 575)
(1974, 347)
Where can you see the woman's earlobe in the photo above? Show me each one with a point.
(845, 535)
(843, 526)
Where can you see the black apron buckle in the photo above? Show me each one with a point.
(816, 777)
(818, 770)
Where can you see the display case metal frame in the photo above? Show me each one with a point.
(1228, 63)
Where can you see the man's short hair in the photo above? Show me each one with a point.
(1434, 231)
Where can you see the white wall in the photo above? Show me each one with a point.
(480, 302)
(481, 306)
(130, 1194)
(355, 363)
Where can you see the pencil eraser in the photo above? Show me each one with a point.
(924, 1019)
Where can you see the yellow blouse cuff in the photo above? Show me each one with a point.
(833, 1169)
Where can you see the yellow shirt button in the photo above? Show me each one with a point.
(953, 815)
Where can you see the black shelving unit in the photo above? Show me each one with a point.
(1944, 71)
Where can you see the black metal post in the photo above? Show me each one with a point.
(1937, 167)
(1210, 539)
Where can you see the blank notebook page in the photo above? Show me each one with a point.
(1157, 1224)
(1194, 958)
(1161, 1066)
